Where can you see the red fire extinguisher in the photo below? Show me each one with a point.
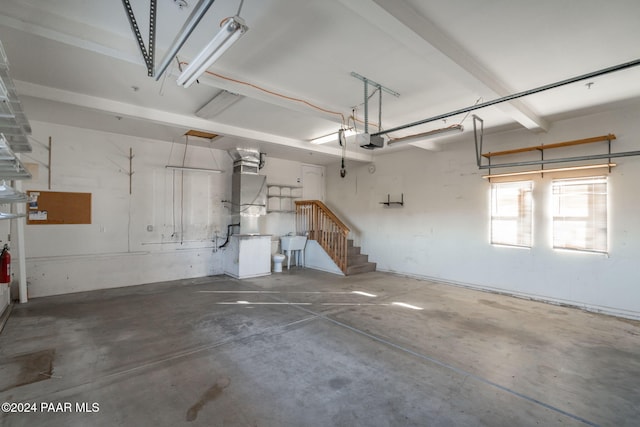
(5, 265)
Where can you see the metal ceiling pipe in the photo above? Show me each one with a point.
(192, 21)
(591, 75)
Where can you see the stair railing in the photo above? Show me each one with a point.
(315, 219)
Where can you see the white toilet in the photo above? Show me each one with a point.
(278, 258)
(277, 263)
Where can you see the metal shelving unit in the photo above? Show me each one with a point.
(14, 128)
(13, 122)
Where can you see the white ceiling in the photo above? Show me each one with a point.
(76, 62)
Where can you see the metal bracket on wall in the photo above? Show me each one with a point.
(390, 203)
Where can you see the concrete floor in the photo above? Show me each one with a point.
(301, 348)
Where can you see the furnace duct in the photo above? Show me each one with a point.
(248, 190)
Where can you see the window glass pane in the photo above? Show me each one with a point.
(580, 214)
(511, 213)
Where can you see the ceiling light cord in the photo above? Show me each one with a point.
(343, 144)
(343, 120)
(355, 119)
(479, 100)
(165, 75)
(236, 15)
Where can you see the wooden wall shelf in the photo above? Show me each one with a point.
(609, 137)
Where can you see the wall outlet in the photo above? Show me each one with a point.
(149, 228)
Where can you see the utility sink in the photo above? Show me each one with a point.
(293, 243)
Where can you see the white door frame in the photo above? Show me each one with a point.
(316, 169)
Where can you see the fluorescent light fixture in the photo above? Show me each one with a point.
(232, 29)
(426, 135)
(189, 169)
(541, 171)
(223, 100)
(332, 137)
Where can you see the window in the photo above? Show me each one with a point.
(580, 214)
(511, 213)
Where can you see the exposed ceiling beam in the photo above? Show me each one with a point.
(284, 101)
(421, 35)
(172, 119)
(77, 35)
(114, 46)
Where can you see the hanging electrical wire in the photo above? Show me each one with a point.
(271, 92)
(344, 121)
(213, 157)
(478, 101)
(368, 98)
(343, 144)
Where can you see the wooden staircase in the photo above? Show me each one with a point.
(357, 262)
(319, 223)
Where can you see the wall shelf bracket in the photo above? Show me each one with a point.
(390, 203)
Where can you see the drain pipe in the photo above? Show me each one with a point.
(507, 98)
(229, 233)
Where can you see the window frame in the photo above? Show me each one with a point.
(591, 228)
(523, 219)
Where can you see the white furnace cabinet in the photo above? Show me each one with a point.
(248, 255)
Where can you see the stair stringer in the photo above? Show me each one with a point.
(317, 258)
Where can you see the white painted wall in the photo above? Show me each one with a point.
(164, 230)
(442, 232)
(288, 173)
(184, 211)
(280, 172)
